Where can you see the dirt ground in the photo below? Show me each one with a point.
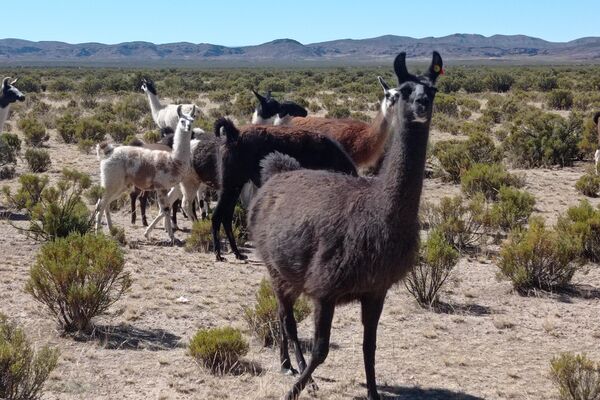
(490, 344)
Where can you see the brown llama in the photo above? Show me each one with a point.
(364, 143)
(346, 238)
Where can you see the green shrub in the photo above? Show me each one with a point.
(23, 371)
(539, 258)
(487, 179)
(498, 81)
(263, 318)
(118, 234)
(34, 131)
(54, 211)
(588, 185)
(66, 126)
(546, 82)
(460, 224)
(444, 123)
(200, 238)
(543, 139)
(583, 222)
(131, 108)
(436, 260)
(7, 172)
(576, 377)
(120, 131)
(78, 278)
(151, 137)
(10, 145)
(240, 228)
(38, 159)
(512, 209)
(338, 112)
(456, 157)
(588, 143)
(85, 145)
(560, 99)
(446, 104)
(90, 129)
(218, 349)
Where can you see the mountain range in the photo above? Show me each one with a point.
(344, 51)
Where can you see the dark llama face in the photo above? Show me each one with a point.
(267, 106)
(417, 92)
(10, 94)
(148, 86)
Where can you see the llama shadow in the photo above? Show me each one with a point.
(307, 345)
(127, 337)
(243, 367)
(11, 216)
(416, 393)
(475, 310)
(577, 291)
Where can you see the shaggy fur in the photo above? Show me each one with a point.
(276, 163)
(8, 95)
(127, 166)
(365, 143)
(347, 238)
(240, 157)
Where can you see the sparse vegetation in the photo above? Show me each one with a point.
(576, 377)
(38, 159)
(583, 223)
(218, 349)
(34, 131)
(200, 238)
(78, 278)
(488, 179)
(588, 185)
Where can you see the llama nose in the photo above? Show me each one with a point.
(424, 101)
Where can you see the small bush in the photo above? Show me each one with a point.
(576, 377)
(539, 258)
(240, 228)
(54, 211)
(588, 185)
(90, 129)
(560, 99)
(94, 193)
(120, 131)
(338, 112)
(119, 235)
(66, 127)
(200, 238)
(218, 349)
(583, 222)
(78, 278)
(151, 137)
(436, 261)
(487, 179)
(499, 81)
(22, 371)
(34, 131)
(461, 225)
(10, 145)
(263, 318)
(38, 160)
(446, 104)
(512, 209)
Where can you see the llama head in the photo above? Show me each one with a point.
(266, 109)
(186, 120)
(10, 93)
(148, 86)
(390, 97)
(417, 92)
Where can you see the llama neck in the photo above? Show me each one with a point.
(403, 169)
(181, 146)
(155, 105)
(3, 115)
(378, 131)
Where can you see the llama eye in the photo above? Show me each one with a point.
(406, 91)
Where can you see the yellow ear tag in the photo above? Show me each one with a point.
(436, 68)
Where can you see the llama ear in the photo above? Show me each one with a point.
(15, 81)
(400, 68)
(193, 113)
(179, 111)
(383, 84)
(436, 68)
(258, 96)
(5, 82)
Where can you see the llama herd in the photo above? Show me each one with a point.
(322, 228)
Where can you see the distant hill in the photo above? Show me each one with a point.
(346, 51)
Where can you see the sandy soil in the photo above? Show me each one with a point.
(492, 344)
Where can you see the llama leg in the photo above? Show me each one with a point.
(165, 210)
(371, 311)
(176, 208)
(224, 212)
(323, 317)
(143, 204)
(133, 195)
(99, 210)
(284, 356)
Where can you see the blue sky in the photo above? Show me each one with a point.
(237, 22)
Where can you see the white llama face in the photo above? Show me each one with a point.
(390, 97)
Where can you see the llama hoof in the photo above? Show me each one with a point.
(288, 371)
(220, 258)
(373, 396)
(240, 256)
(312, 387)
(144, 222)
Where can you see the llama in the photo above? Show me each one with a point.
(365, 143)
(271, 112)
(346, 238)
(240, 157)
(146, 169)
(165, 116)
(597, 153)
(8, 95)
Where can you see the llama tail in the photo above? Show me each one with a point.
(276, 163)
(137, 142)
(596, 116)
(226, 126)
(104, 150)
(197, 132)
